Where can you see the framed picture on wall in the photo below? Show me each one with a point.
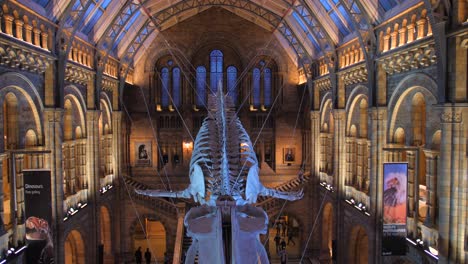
(289, 155)
(143, 153)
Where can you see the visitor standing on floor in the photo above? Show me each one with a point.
(148, 256)
(277, 242)
(138, 256)
(283, 256)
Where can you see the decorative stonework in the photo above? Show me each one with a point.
(357, 74)
(376, 114)
(78, 74)
(15, 56)
(416, 57)
(451, 116)
(323, 84)
(109, 84)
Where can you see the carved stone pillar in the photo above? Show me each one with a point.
(410, 31)
(53, 120)
(431, 186)
(315, 141)
(92, 151)
(37, 34)
(421, 23)
(448, 186)
(44, 40)
(117, 144)
(402, 36)
(19, 29)
(28, 33)
(394, 36)
(378, 139)
(180, 233)
(339, 153)
(8, 24)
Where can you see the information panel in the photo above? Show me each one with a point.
(394, 209)
(38, 215)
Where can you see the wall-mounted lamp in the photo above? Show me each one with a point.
(187, 145)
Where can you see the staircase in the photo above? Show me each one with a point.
(162, 204)
(273, 205)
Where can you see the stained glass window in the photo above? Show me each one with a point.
(176, 86)
(231, 82)
(216, 70)
(165, 87)
(267, 87)
(201, 84)
(256, 86)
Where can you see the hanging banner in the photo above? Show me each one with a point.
(394, 209)
(38, 215)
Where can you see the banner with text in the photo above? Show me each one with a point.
(394, 209)
(38, 215)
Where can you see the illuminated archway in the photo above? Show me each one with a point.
(74, 248)
(106, 239)
(327, 232)
(359, 246)
(150, 234)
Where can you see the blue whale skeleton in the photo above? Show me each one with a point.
(224, 168)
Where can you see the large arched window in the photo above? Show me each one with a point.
(165, 87)
(176, 86)
(267, 87)
(201, 91)
(216, 69)
(256, 87)
(231, 83)
(262, 84)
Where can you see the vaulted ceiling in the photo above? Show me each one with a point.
(307, 28)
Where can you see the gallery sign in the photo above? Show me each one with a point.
(38, 215)
(394, 209)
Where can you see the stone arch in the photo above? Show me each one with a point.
(74, 248)
(327, 232)
(355, 98)
(401, 102)
(30, 139)
(359, 246)
(140, 223)
(74, 95)
(27, 93)
(106, 110)
(326, 116)
(105, 224)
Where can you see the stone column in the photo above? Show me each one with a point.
(314, 193)
(431, 186)
(378, 139)
(180, 233)
(53, 120)
(448, 186)
(339, 153)
(339, 159)
(92, 153)
(3, 234)
(315, 143)
(117, 144)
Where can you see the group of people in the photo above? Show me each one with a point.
(284, 230)
(139, 256)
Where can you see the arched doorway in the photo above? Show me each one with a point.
(359, 246)
(154, 240)
(286, 229)
(327, 233)
(106, 242)
(74, 248)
